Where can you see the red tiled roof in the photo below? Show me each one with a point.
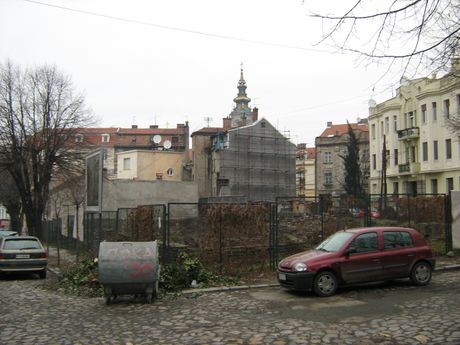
(209, 131)
(338, 130)
(131, 131)
(128, 137)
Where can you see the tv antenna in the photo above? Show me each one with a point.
(207, 119)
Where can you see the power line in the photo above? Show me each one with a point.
(172, 28)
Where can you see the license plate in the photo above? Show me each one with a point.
(281, 276)
(22, 256)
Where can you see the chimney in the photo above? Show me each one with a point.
(153, 126)
(134, 126)
(227, 123)
(180, 125)
(329, 124)
(255, 114)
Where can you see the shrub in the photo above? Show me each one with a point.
(184, 270)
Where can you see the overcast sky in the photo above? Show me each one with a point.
(167, 62)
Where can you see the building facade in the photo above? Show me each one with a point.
(410, 142)
(305, 171)
(247, 159)
(115, 141)
(330, 146)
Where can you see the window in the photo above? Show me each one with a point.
(381, 128)
(365, 243)
(170, 172)
(327, 157)
(448, 148)
(373, 130)
(446, 105)
(449, 184)
(435, 150)
(105, 138)
(434, 186)
(423, 111)
(425, 151)
(412, 119)
(328, 178)
(396, 156)
(374, 162)
(413, 154)
(387, 125)
(434, 111)
(395, 187)
(396, 239)
(79, 138)
(458, 104)
(126, 163)
(395, 123)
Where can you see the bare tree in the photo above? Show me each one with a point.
(39, 116)
(418, 33)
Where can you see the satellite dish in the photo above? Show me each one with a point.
(167, 144)
(156, 138)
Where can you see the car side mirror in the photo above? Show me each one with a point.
(349, 251)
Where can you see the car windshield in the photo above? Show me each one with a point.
(335, 242)
(21, 244)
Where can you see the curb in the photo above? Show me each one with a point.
(447, 268)
(227, 288)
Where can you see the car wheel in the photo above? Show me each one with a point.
(42, 274)
(421, 273)
(325, 284)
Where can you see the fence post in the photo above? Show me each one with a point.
(448, 220)
(408, 209)
(321, 210)
(220, 240)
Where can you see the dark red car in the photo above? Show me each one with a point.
(358, 256)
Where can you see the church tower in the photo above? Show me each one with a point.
(241, 114)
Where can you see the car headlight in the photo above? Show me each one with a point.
(299, 267)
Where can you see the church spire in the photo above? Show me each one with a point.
(242, 99)
(241, 114)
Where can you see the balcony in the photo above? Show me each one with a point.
(404, 168)
(412, 168)
(409, 133)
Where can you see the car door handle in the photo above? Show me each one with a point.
(410, 255)
(375, 259)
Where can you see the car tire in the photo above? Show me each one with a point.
(42, 274)
(325, 284)
(421, 273)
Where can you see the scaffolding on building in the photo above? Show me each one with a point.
(255, 161)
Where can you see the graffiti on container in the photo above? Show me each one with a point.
(137, 261)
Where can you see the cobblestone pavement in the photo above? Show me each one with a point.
(392, 313)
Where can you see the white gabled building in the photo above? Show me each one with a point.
(422, 153)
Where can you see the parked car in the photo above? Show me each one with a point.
(360, 212)
(358, 256)
(23, 254)
(5, 233)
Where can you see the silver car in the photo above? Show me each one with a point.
(23, 254)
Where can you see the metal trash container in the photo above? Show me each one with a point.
(129, 268)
